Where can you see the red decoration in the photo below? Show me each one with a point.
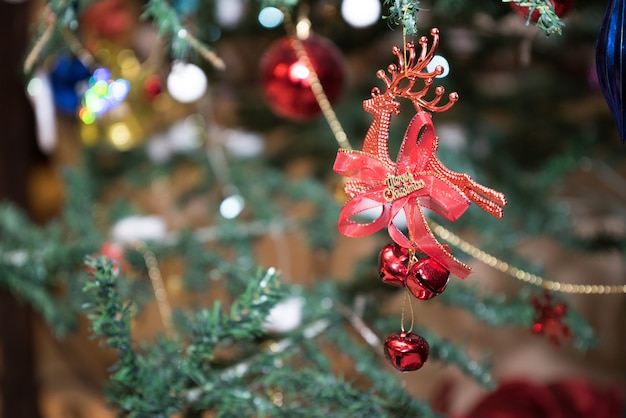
(392, 264)
(549, 318)
(427, 278)
(109, 19)
(114, 252)
(417, 179)
(561, 7)
(286, 80)
(406, 351)
(152, 87)
(571, 398)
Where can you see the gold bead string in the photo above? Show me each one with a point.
(158, 286)
(316, 85)
(524, 276)
(342, 140)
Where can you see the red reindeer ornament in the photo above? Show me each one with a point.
(417, 179)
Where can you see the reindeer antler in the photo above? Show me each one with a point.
(412, 67)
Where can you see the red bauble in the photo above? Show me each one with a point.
(406, 351)
(561, 7)
(286, 80)
(427, 278)
(152, 87)
(393, 264)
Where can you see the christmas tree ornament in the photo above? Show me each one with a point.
(68, 78)
(406, 351)
(417, 179)
(108, 19)
(427, 278)
(549, 318)
(232, 206)
(41, 97)
(285, 316)
(531, 11)
(393, 264)
(360, 13)
(610, 58)
(152, 87)
(139, 228)
(186, 82)
(286, 80)
(114, 252)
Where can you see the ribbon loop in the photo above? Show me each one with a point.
(417, 180)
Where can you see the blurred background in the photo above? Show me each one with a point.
(531, 122)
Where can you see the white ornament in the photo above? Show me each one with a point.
(285, 316)
(159, 149)
(186, 82)
(439, 60)
(232, 206)
(360, 13)
(184, 135)
(242, 144)
(229, 12)
(40, 94)
(139, 228)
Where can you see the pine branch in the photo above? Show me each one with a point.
(168, 21)
(548, 20)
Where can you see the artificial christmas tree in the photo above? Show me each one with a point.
(199, 237)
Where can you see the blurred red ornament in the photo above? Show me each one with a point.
(393, 264)
(561, 7)
(152, 87)
(571, 398)
(286, 80)
(406, 351)
(109, 19)
(114, 252)
(549, 318)
(427, 278)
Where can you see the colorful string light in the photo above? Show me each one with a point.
(102, 95)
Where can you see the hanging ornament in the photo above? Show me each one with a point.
(561, 7)
(406, 351)
(427, 278)
(68, 78)
(417, 179)
(286, 80)
(549, 318)
(610, 58)
(152, 87)
(41, 97)
(186, 82)
(285, 316)
(393, 264)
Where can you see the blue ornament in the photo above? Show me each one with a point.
(610, 61)
(66, 77)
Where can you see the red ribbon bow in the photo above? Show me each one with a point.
(412, 184)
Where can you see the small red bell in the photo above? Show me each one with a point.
(427, 278)
(406, 351)
(393, 264)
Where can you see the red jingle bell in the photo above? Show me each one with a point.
(427, 278)
(406, 351)
(393, 264)
(561, 7)
(286, 80)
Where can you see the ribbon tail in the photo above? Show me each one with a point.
(423, 239)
